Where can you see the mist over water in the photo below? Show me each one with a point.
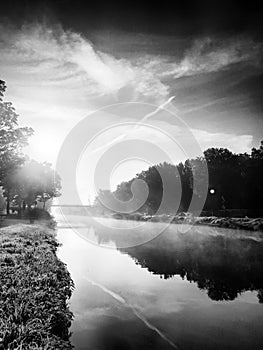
(198, 289)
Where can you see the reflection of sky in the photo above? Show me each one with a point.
(176, 307)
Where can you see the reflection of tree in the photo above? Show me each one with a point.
(224, 266)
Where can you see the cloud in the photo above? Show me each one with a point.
(208, 55)
(235, 143)
(59, 75)
(56, 57)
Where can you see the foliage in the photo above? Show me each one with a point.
(235, 178)
(12, 141)
(12, 137)
(23, 181)
(31, 182)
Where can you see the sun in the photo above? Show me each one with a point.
(44, 146)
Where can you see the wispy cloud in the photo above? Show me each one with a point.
(212, 54)
(235, 143)
(59, 56)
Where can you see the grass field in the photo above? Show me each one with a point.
(34, 290)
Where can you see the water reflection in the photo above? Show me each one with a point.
(224, 263)
(140, 297)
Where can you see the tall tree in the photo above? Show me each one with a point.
(12, 140)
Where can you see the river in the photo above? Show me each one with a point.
(201, 289)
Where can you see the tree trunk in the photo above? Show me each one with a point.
(24, 206)
(7, 204)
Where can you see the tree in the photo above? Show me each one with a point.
(224, 178)
(254, 177)
(51, 184)
(168, 187)
(104, 201)
(32, 182)
(12, 140)
(235, 178)
(257, 153)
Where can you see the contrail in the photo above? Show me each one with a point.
(147, 116)
(108, 291)
(153, 328)
(135, 312)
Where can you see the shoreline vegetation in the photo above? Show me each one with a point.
(244, 223)
(34, 291)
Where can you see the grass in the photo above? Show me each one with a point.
(34, 290)
(251, 224)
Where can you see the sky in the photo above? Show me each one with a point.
(65, 61)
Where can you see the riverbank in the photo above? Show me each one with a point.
(233, 223)
(35, 287)
(251, 224)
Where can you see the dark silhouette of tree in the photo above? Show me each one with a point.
(163, 180)
(254, 177)
(257, 153)
(236, 180)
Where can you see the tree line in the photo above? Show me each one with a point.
(234, 182)
(23, 181)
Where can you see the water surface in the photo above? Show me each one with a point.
(202, 289)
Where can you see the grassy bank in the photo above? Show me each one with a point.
(251, 224)
(35, 286)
